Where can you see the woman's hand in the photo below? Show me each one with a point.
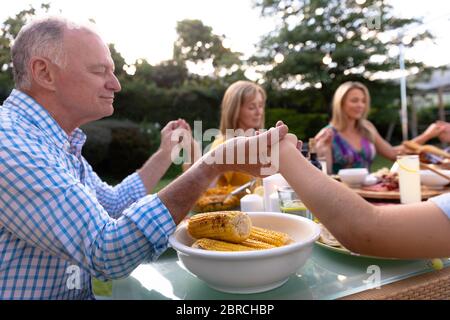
(438, 129)
(444, 135)
(434, 130)
(257, 155)
(323, 141)
(168, 141)
(175, 136)
(190, 146)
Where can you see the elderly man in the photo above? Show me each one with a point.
(59, 223)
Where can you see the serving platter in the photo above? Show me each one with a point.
(395, 194)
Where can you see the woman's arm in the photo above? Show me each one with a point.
(433, 131)
(388, 151)
(383, 147)
(403, 231)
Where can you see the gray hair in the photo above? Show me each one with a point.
(43, 37)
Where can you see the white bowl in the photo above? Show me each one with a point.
(353, 177)
(250, 271)
(433, 180)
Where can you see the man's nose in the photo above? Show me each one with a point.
(113, 84)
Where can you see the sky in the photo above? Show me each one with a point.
(146, 28)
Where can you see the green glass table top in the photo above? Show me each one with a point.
(326, 275)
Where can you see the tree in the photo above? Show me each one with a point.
(197, 43)
(327, 42)
(8, 32)
(119, 63)
(167, 74)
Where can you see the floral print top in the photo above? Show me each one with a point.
(346, 156)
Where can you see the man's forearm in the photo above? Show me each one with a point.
(153, 170)
(179, 197)
(195, 154)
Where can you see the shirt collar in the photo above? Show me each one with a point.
(30, 109)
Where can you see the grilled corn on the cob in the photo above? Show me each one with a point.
(217, 245)
(232, 226)
(272, 237)
(258, 245)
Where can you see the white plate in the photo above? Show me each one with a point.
(370, 180)
(348, 252)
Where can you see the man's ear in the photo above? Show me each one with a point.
(43, 72)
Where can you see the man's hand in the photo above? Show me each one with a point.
(257, 155)
(247, 154)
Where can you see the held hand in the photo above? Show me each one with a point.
(434, 130)
(167, 143)
(189, 144)
(323, 140)
(293, 140)
(176, 133)
(444, 135)
(257, 155)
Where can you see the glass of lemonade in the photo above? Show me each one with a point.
(409, 178)
(291, 203)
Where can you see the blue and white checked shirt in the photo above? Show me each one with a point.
(59, 223)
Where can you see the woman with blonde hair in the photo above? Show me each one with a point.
(350, 140)
(242, 112)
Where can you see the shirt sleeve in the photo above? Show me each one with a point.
(46, 206)
(116, 199)
(443, 202)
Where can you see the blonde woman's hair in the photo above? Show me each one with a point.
(339, 119)
(232, 101)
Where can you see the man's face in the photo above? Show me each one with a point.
(85, 87)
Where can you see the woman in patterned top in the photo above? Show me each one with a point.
(350, 140)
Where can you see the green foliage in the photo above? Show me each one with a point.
(379, 163)
(156, 94)
(140, 101)
(197, 43)
(8, 32)
(102, 288)
(119, 63)
(127, 152)
(431, 114)
(340, 29)
(303, 125)
(427, 116)
(167, 74)
(117, 148)
(99, 138)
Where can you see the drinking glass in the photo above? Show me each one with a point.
(409, 178)
(291, 203)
